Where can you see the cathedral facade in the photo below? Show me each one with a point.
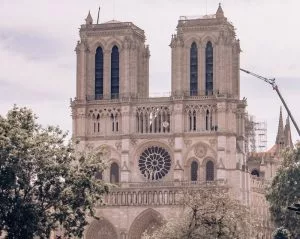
(157, 147)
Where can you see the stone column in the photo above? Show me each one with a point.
(107, 74)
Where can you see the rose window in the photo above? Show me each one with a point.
(155, 163)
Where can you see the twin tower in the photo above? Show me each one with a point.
(113, 60)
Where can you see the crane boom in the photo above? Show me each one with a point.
(275, 87)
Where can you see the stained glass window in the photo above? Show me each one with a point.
(209, 69)
(194, 69)
(194, 171)
(210, 174)
(99, 74)
(114, 173)
(155, 163)
(115, 72)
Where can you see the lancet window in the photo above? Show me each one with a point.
(194, 171)
(114, 122)
(114, 173)
(115, 69)
(104, 120)
(153, 119)
(200, 118)
(209, 69)
(210, 174)
(99, 74)
(193, 69)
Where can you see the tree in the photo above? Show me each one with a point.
(43, 184)
(281, 233)
(285, 191)
(209, 213)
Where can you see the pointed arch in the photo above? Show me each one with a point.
(114, 173)
(194, 69)
(194, 170)
(115, 72)
(99, 73)
(101, 228)
(209, 68)
(210, 171)
(147, 220)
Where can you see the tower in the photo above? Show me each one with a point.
(157, 147)
(205, 56)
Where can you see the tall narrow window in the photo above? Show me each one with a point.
(194, 171)
(210, 171)
(114, 173)
(99, 74)
(207, 120)
(193, 69)
(115, 72)
(209, 69)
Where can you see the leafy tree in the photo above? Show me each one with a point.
(43, 184)
(285, 191)
(281, 233)
(209, 213)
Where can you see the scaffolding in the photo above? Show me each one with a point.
(255, 135)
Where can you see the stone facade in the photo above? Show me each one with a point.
(159, 146)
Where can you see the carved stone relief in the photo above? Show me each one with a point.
(200, 150)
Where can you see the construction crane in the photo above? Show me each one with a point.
(275, 87)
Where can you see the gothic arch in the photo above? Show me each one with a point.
(114, 42)
(140, 148)
(207, 39)
(188, 168)
(97, 44)
(188, 42)
(209, 164)
(147, 220)
(101, 228)
(209, 153)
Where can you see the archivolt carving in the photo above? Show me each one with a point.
(148, 220)
(101, 228)
(200, 150)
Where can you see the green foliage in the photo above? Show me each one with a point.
(43, 184)
(281, 233)
(285, 191)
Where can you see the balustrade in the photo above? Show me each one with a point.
(154, 193)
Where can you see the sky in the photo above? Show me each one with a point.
(38, 62)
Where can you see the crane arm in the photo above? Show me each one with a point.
(275, 87)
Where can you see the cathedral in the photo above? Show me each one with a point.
(158, 146)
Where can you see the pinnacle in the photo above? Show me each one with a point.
(280, 132)
(89, 19)
(220, 13)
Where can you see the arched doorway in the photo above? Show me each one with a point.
(101, 229)
(149, 220)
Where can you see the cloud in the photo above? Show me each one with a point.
(38, 63)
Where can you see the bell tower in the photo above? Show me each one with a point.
(205, 56)
(112, 61)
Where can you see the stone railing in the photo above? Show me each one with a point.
(123, 98)
(154, 193)
(258, 184)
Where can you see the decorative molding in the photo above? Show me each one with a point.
(200, 150)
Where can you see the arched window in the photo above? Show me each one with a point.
(115, 72)
(194, 171)
(114, 173)
(210, 171)
(209, 68)
(99, 74)
(255, 172)
(194, 69)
